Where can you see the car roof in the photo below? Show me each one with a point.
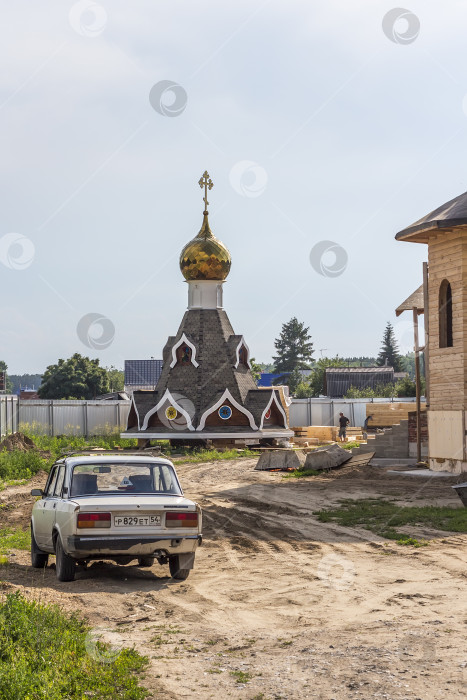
(114, 458)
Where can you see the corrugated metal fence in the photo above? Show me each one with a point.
(62, 417)
(326, 411)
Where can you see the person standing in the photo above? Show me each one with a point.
(343, 423)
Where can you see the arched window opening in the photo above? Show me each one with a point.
(445, 315)
(184, 353)
(243, 356)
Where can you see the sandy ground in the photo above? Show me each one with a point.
(306, 609)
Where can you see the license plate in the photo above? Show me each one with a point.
(136, 520)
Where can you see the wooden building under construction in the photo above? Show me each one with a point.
(444, 230)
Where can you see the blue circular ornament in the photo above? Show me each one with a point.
(225, 412)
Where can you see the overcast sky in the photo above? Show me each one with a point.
(315, 123)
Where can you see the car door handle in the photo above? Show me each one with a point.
(55, 505)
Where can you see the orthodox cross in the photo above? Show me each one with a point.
(206, 182)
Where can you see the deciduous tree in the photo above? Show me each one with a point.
(76, 378)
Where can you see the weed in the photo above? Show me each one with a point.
(241, 676)
(44, 656)
(250, 641)
(411, 541)
(349, 445)
(301, 473)
(14, 539)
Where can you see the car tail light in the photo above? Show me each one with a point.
(176, 519)
(94, 520)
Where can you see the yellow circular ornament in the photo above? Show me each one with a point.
(171, 412)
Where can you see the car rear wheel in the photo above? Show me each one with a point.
(145, 561)
(175, 570)
(39, 558)
(65, 565)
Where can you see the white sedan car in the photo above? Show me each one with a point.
(114, 506)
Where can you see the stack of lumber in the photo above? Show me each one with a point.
(354, 434)
(322, 433)
(318, 434)
(387, 414)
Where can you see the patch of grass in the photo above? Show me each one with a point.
(213, 456)
(43, 655)
(349, 445)
(58, 443)
(4, 561)
(301, 473)
(383, 517)
(241, 676)
(11, 538)
(19, 466)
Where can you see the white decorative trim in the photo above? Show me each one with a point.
(167, 397)
(226, 395)
(268, 433)
(137, 414)
(273, 398)
(182, 340)
(237, 352)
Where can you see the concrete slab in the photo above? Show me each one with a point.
(419, 472)
(392, 462)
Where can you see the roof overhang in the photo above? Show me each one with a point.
(452, 214)
(414, 301)
(422, 233)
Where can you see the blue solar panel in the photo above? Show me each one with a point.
(142, 372)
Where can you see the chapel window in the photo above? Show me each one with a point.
(445, 315)
(184, 353)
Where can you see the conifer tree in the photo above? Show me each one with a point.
(389, 353)
(294, 347)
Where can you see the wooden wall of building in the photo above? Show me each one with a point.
(447, 259)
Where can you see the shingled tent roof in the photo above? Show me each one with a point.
(453, 213)
(212, 334)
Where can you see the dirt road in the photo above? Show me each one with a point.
(281, 605)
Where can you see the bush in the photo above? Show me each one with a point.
(43, 654)
(20, 465)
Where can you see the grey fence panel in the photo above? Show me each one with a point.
(102, 419)
(35, 415)
(62, 417)
(8, 414)
(299, 412)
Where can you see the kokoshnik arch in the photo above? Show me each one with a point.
(206, 389)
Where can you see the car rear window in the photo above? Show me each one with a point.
(123, 479)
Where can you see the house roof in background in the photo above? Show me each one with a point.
(142, 372)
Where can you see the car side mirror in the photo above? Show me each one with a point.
(37, 492)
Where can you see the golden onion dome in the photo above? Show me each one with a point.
(205, 257)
